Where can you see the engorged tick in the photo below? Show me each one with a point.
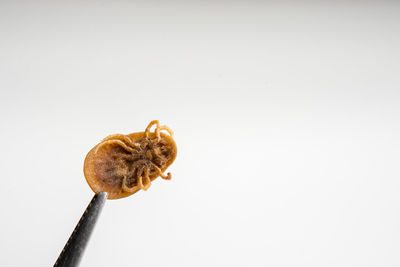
(122, 164)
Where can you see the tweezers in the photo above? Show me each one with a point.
(74, 248)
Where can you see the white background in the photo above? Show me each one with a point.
(286, 118)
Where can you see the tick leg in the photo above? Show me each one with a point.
(147, 131)
(166, 177)
(121, 137)
(114, 141)
(166, 128)
(159, 128)
(140, 181)
(147, 179)
(128, 189)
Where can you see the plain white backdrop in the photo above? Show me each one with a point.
(286, 117)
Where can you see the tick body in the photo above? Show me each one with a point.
(122, 164)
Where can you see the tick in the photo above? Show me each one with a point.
(121, 165)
